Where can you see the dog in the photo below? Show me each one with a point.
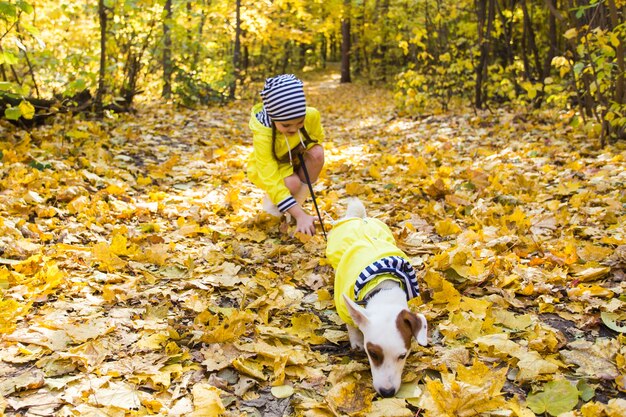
(373, 281)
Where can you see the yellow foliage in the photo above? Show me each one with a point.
(444, 292)
(206, 401)
(126, 243)
(447, 227)
(355, 189)
(230, 328)
(106, 258)
(304, 326)
(472, 391)
(10, 310)
(529, 362)
(349, 397)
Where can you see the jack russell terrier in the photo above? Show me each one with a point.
(373, 281)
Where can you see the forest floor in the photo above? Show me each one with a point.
(139, 275)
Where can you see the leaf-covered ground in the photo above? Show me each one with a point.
(139, 275)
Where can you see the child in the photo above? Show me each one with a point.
(283, 127)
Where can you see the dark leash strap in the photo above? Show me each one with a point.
(308, 182)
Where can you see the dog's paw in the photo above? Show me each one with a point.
(357, 346)
(356, 338)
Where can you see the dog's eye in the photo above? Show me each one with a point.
(374, 356)
(403, 356)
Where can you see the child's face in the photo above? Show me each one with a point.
(290, 127)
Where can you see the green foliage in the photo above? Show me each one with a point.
(193, 91)
(557, 397)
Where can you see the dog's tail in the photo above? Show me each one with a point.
(355, 208)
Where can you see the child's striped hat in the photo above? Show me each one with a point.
(283, 98)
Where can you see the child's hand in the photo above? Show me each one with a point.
(305, 224)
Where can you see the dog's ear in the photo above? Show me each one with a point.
(422, 333)
(358, 313)
(418, 325)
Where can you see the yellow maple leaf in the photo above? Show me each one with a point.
(115, 189)
(447, 227)
(153, 341)
(231, 327)
(529, 362)
(477, 306)
(374, 172)
(141, 180)
(467, 267)
(232, 198)
(106, 259)
(279, 370)
(156, 254)
(466, 325)
(27, 109)
(9, 311)
(355, 188)
(388, 407)
(417, 167)
(250, 367)
(119, 244)
(444, 292)
(207, 401)
(518, 218)
(472, 391)
(349, 397)
(304, 326)
(586, 290)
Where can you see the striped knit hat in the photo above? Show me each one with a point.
(283, 98)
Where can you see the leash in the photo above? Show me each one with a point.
(308, 182)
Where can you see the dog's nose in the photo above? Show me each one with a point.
(387, 392)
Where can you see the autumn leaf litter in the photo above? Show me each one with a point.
(140, 276)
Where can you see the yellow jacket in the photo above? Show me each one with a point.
(363, 253)
(263, 169)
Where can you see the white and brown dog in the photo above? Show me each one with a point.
(373, 281)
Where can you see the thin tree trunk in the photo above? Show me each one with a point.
(286, 56)
(245, 61)
(167, 51)
(483, 39)
(196, 54)
(237, 51)
(102, 17)
(324, 50)
(333, 47)
(345, 44)
(528, 24)
(552, 37)
(302, 58)
(620, 90)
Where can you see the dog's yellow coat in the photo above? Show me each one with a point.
(353, 244)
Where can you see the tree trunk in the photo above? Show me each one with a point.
(237, 51)
(167, 51)
(102, 17)
(620, 90)
(302, 59)
(528, 29)
(484, 48)
(286, 57)
(345, 44)
(196, 54)
(552, 38)
(333, 48)
(245, 61)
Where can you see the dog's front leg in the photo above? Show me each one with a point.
(356, 337)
